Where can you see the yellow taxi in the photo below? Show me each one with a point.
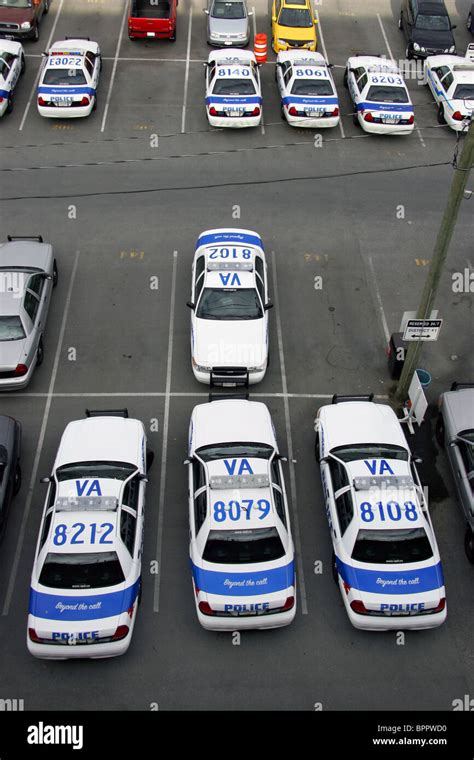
(293, 25)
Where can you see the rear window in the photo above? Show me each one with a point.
(464, 92)
(312, 87)
(11, 328)
(229, 86)
(386, 547)
(380, 94)
(239, 547)
(97, 570)
(71, 77)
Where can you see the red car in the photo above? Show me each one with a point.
(20, 19)
(148, 19)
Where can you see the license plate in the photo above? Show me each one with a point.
(314, 111)
(234, 112)
(150, 34)
(228, 42)
(389, 120)
(63, 102)
(229, 385)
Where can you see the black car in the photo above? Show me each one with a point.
(10, 472)
(427, 27)
(470, 19)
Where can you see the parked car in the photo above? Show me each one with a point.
(228, 23)
(20, 19)
(157, 20)
(427, 27)
(455, 433)
(10, 472)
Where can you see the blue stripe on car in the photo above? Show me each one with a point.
(65, 607)
(244, 584)
(229, 100)
(229, 237)
(314, 101)
(397, 582)
(4, 93)
(367, 106)
(66, 90)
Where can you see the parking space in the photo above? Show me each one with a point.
(349, 225)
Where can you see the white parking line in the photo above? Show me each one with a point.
(417, 130)
(378, 298)
(163, 394)
(186, 75)
(114, 68)
(254, 24)
(325, 53)
(289, 439)
(164, 444)
(39, 448)
(35, 83)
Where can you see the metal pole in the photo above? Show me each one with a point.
(445, 234)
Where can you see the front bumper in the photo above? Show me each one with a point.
(278, 47)
(242, 42)
(17, 34)
(68, 112)
(204, 377)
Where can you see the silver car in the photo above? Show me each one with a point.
(455, 433)
(28, 273)
(228, 23)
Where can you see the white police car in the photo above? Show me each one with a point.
(86, 579)
(12, 66)
(68, 79)
(386, 560)
(451, 81)
(241, 549)
(233, 91)
(381, 101)
(229, 308)
(307, 90)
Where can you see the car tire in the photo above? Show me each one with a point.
(23, 65)
(400, 21)
(9, 107)
(469, 545)
(40, 353)
(440, 115)
(36, 33)
(409, 53)
(46, 7)
(17, 479)
(282, 112)
(355, 118)
(173, 38)
(346, 79)
(334, 570)
(469, 22)
(439, 432)
(94, 107)
(55, 273)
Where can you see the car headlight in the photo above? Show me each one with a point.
(25, 25)
(422, 49)
(258, 369)
(452, 50)
(416, 46)
(200, 367)
(282, 42)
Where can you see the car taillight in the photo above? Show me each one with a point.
(411, 120)
(359, 607)
(335, 112)
(41, 102)
(441, 605)
(256, 111)
(212, 111)
(21, 369)
(368, 117)
(33, 635)
(292, 111)
(1, 100)
(85, 101)
(290, 601)
(346, 587)
(120, 633)
(205, 608)
(457, 116)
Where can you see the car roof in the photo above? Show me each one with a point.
(24, 253)
(461, 408)
(435, 7)
(70, 519)
(242, 488)
(305, 58)
(11, 301)
(228, 421)
(353, 422)
(114, 439)
(230, 278)
(73, 46)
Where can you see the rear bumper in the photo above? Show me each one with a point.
(392, 623)
(80, 651)
(66, 113)
(311, 122)
(238, 122)
(159, 34)
(251, 622)
(17, 383)
(385, 129)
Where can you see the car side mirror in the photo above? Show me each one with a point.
(143, 478)
(190, 305)
(206, 11)
(453, 444)
(418, 460)
(268, 305)
(46, 479)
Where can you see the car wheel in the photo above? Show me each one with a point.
(355, 118)
(173, 38)
(9, 108)
(317, 448)
(23, 65)
(95, 103)
(55, 273)
(335, 573)
(282, 112)
(17, 479)
(440, 431)
(150, 458)
(346, 79)
(400, 21)
(46, 7)
(40, 353)
(36, 34)
(441, 119)
(409, 53)
(469, 545)
(469, 22)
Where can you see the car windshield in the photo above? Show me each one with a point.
(241, 547)
(227, 10)
(15, 3)
(11, 328)
(229, 304)
(369, 450)
(224, 86)
(387, 547)
(70, 77)
(312, 87)
(79, 571)
(380, 94)
(297, 17)
(108, 470)
(433, 23)
(464, 92)
(235, 451)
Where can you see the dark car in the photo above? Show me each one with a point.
(427, 27)
(470, 19)
(20, 19)
(10, 472)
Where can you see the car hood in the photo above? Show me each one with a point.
(12, 353)
(228, 25)
(221, 343)
(438, 40)
(16, 15)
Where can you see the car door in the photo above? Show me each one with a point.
(92, 64)
(210, 72)
(198, 497)
(30, 316)
(434, 81)
(463, 471)
(41, 287)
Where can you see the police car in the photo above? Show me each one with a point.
(451, 81)
(308, 94)
(233, 91)
(381, 101)
(86, 579)
(241, 549)
(386, 560)
(68, 79)
(12, 66)
(229, 308)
